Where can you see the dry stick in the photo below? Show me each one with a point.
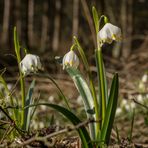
(12, 122)
(140, 104)
(68, 129)
(5, 134)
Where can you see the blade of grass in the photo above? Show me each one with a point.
(110, 111)
(102, 83)
(8, 93)
(22, 82)
(28, 101)
(95, 18)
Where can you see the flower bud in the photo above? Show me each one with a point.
(109, 33)
(30, 64)
(70, 59)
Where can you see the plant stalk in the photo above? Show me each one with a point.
(102, 92)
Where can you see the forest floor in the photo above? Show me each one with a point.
(130, 72)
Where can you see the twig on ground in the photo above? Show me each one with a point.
(45, 138)
(140, 103)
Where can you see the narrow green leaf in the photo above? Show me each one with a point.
(16, 44)
(82, 54)
(110, 111)
(22, 82)
(86, 95)
(96, 19)
(28, 101)
(85, 138)
(82, 87)
(8, 93)
(102, 83)
(91, 83)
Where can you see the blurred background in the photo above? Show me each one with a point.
(46, 27)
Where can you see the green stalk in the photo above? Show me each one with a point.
(102, 87)
(96, 104)
(22, 82)
(92, 87)
(100, 66)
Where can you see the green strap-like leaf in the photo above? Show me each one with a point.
(86, 95)
(28, 111)
(110, 111)
(96, 19)
(91, 83)
(102, 83)
(22, 81)
(85, 138)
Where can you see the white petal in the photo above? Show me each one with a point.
(30, 63)
(70, 59)
(109, 33)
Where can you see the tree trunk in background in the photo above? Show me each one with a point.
(45, 24)
(30, 22)
(89, 20)
(5, 27)
(17, 16)
(75, 17)
(127, 27)
(56, 34)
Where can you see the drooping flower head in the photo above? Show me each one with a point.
(30, 64)
(70, 59)
(109, 33)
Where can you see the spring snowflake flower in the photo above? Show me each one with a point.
(118, 111)
(144, 78)
(30, 64)
(124, 103)
(109, 33)
(140, 98)
(70, 59)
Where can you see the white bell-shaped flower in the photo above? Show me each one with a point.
(30, 64)
(109, 33)
(70, 59)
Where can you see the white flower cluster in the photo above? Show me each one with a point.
(125, 105)
(107, 34)
(143, 82)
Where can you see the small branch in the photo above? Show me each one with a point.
(12, 122)
(140, 103)
(45, 138)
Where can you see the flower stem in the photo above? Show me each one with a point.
(96, 104)
(22, 82)
(102, 91)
